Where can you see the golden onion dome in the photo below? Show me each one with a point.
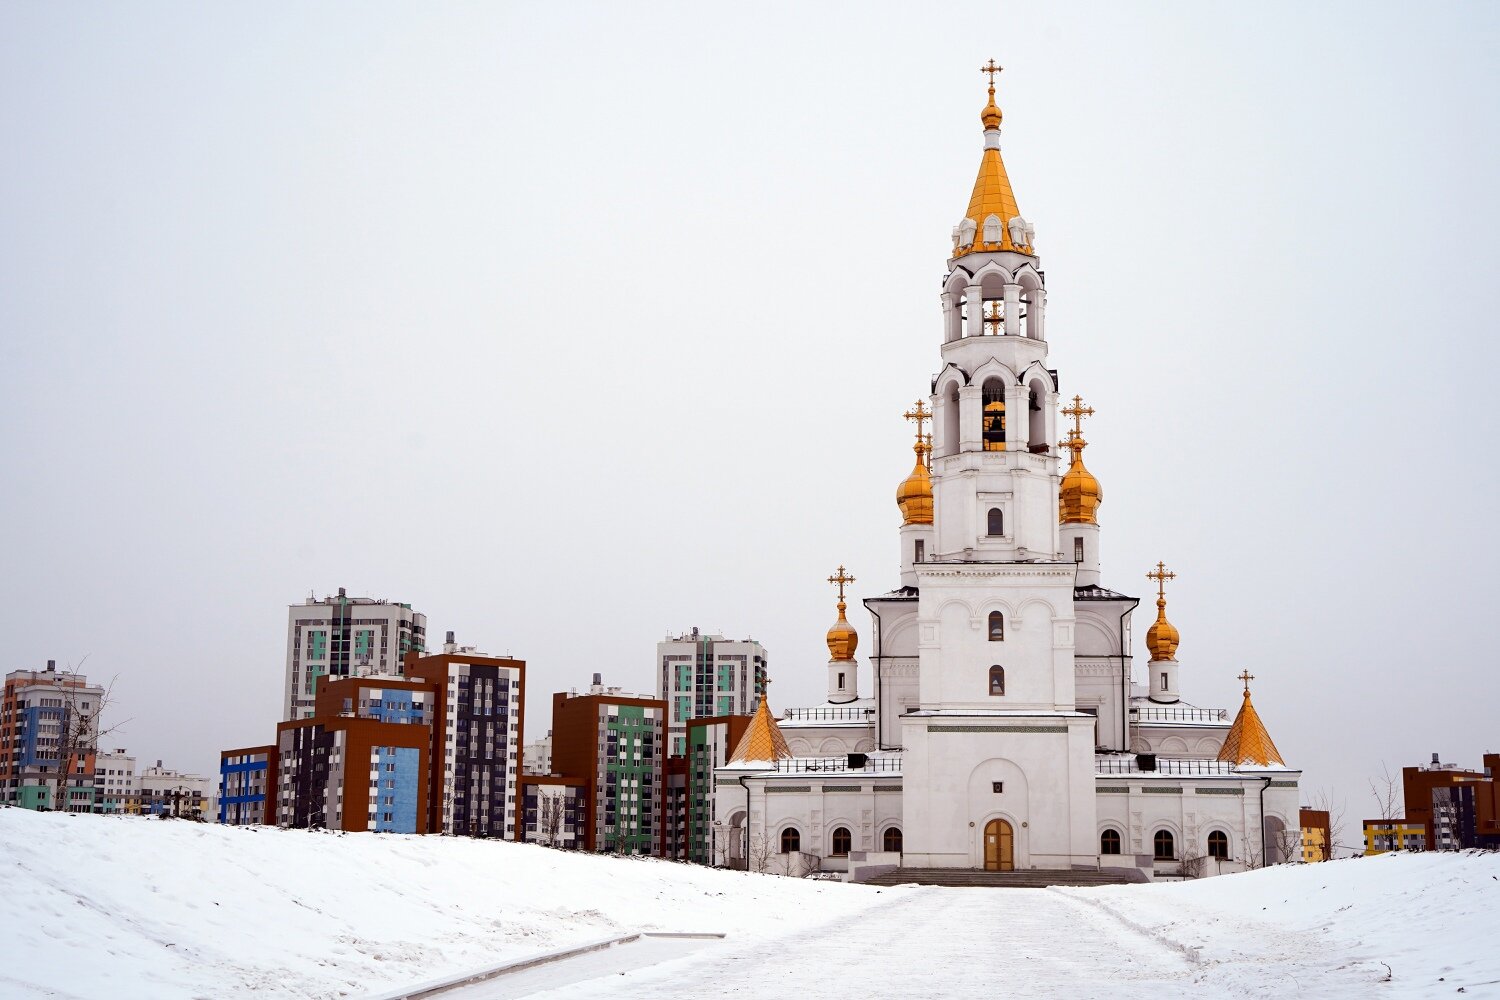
(914, 495)
(1079, 495)
(842, 639)
(1162, 637)
(991, 115)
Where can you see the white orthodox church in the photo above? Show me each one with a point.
(1006, 730)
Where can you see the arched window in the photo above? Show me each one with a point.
(993, 430)
(791, 840)
(892, 840)
(1218, 845)
(1162, 843)
(1109, 842)
(997, 521)
(1038, 442)
(997, 680)
(842, 841)
(947, 442)
(997, 626)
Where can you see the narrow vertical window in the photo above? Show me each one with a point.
(997, 626)
(1078, 550)
(841, 682)
(996, 521)
(997, 681)
(1164, 681)
(994, 416)
(920, 553)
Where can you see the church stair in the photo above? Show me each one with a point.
(978, 878)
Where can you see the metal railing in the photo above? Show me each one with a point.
(838, 765)
(1122, 764)
(836, 714)
(1159, 713)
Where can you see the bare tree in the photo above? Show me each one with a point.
(1387, 791)
(761, 853)
(1192, 862)
(1288, 844)
(549, 820)
(1338, 811)
(79, 731)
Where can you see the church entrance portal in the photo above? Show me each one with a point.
(999, 846)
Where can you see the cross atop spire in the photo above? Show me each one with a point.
(840, 580)
(991, 69)
(1161, 575)
(1078, 411)
(1247, 677)
(921, 414)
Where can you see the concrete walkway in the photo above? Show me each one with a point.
(935, 942)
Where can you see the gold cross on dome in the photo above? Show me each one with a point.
(1078, 411)
(991, 69)
(1161, 575)
(927, 451)
(841, 579)
(1247, 677)
(921, 414)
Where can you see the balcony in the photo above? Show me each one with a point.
(1164, 713)
(1165, 766)
(828, 714)
(889, 763)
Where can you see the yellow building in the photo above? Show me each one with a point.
(1382, 835)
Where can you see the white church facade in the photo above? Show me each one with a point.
(1005, 729)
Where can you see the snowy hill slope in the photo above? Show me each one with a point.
(105, 906)
(1407, 925)
(126, 907)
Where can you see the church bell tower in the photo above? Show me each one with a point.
(999, 766)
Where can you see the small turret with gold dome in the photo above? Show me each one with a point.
(1247, 743)
(914, 495)
(1079, 495)
(842, 639)
(1161, 637)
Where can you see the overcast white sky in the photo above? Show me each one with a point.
(575, 325)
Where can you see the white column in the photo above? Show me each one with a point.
(950, 324)
(1012, 309)
(1163, 680)
(976, 311)
(1036, 314)
(970, 406)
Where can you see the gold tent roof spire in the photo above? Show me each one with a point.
(762, 742)
(1079, 495)
(1162, 637)
(992, 191)
(914, 495)
(842, 639)
(1248, 743)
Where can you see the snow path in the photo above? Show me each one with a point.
(609, 962)
(933, 942)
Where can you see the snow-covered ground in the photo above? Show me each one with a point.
(126, 907)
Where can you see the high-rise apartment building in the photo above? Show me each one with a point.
(119, 786)
(614, 742)
(703, 676)
(435, 751)
(247, 786)
(45, 716)
(342, 636)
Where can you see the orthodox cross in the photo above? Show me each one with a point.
(841, 579)
(994, 318)
(1161, 575)
(927, 451)
(1247, 677)
(1078, 411)
(991, 69)
(920, 414)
